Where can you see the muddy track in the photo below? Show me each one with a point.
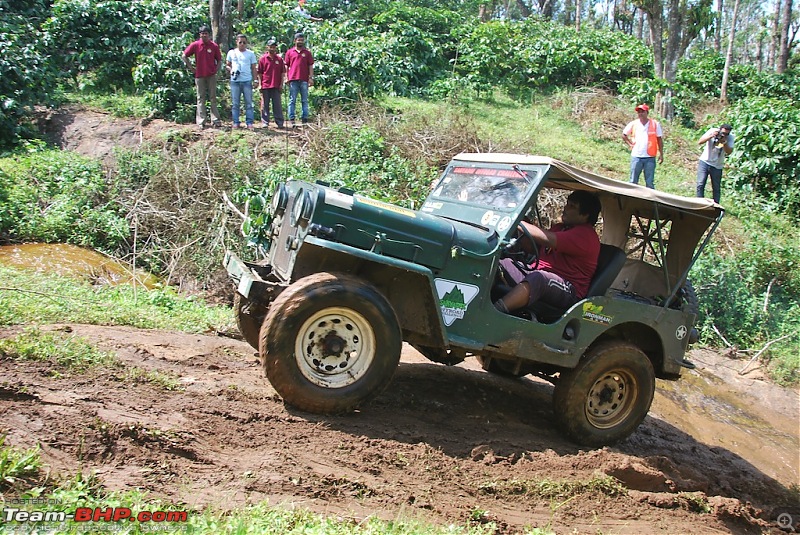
(440, 443)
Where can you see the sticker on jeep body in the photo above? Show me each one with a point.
(386, 206)
(595, 313)
(454, 298)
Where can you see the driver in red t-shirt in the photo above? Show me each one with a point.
(568, 254)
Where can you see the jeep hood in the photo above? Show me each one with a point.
(398, 232)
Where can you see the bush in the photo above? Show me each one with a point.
(108, 39)
(162, 77)
(55, 196)
(766, 157)
(27, 76)
(546, 55)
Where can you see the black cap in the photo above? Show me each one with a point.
(203, 28)
(298, 35)
(272, 42)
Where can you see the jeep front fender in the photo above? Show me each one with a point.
(407, 286)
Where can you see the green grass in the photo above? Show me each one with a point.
(553, 490)
(16, 463)
(27, 297)
(121, 103)
(62, 349)
(544, 128)
(260, 518)
(165, 381)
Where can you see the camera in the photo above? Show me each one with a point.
(235, 75)
(720, 139)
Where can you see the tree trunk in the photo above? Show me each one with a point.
(671, 56)
(760, 53)
(655, 18)
(776, 35)
(783, 57)
(220, 12)
(578, 8)
(718, 29)
(483, 13)
(639, 31)
(723, 93)
(524, 10)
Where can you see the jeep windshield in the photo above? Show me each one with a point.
(499, 187)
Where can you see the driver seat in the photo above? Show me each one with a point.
(609, 264)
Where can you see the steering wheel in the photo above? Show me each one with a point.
(525, 261)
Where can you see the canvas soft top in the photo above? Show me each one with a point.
(562, 171)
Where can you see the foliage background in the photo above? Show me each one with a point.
(472, 84)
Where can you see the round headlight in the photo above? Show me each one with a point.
(301, 209)
(279, 199)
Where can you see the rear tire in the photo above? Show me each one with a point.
(605, 398)
(329, 343)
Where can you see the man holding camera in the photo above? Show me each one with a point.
(241, 63)
(718, 144)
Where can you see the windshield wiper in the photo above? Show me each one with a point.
(523, 174)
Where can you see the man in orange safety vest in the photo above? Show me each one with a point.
(645, 139)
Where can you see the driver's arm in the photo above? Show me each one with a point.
(542, 237)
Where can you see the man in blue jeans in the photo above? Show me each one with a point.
(300, 75)
(241, 64)
(645, 139)
(718, 144)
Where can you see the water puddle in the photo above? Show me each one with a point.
(736, 415)
(73, 261)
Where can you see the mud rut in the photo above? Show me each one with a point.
(439, 444)
(719, 453)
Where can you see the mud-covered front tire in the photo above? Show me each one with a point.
(605, 398)
(329, 343)
(249, 318)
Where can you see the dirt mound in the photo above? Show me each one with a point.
(447, 444)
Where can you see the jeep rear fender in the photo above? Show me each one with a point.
(649, 341)
(407, 286)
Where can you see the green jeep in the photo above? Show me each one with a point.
(348, 278)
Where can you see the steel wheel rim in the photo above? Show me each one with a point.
(335, 347)
(611, 399)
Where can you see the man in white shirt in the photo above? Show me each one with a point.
(645, 139)
(719, 143)
(241, 64)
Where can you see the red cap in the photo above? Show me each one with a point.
(642, 107)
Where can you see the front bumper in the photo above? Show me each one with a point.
(256, 282)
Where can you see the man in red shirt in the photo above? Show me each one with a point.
(271, 69)
(207, 60)
(568, 254)
(300, 74)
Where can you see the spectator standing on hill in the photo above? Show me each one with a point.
(300, 74)
(719, 143)
(301, 10)
(207, 60)
(645, 139)
(271, 70)
(241, 63)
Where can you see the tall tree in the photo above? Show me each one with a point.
(220, 14)
(718, 28)
(786, 20)
(723, 93)
(776, 35)
(685, 19)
